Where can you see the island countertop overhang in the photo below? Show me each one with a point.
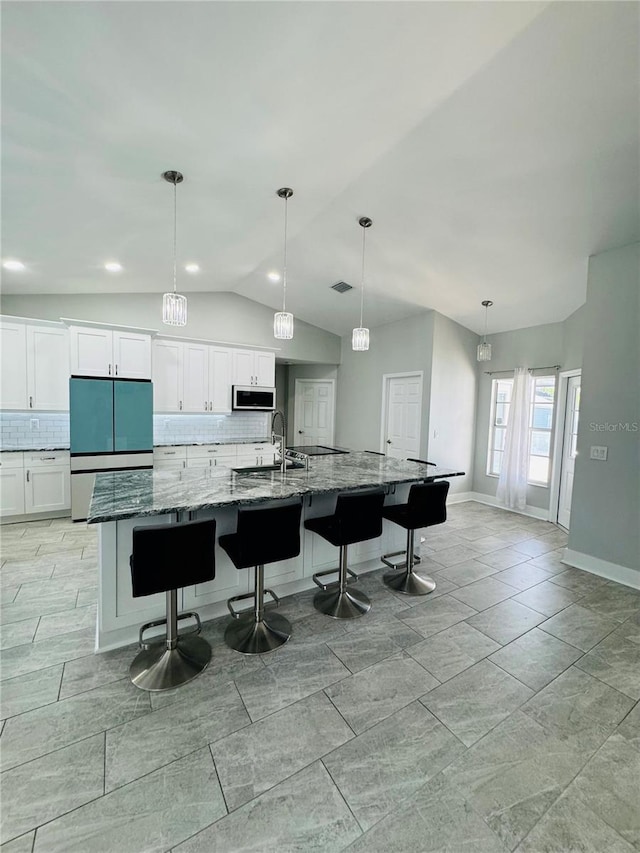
(131, 494)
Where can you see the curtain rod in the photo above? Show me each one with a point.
(530, 369)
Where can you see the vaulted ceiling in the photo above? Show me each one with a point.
(494, 145)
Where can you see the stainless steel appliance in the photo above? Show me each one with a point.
(253, 398)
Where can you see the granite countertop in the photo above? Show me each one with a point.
(131, 494)
(199, 443)
(31, 449)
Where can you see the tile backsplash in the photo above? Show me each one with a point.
(199, 429)
(24, 430)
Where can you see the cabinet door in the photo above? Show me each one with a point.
(48, 368)
(265, 369)
(220, 380)
(131, 355)
(13, 340)
(243, 367)
(91, 351)
(167, 376)
(47, 489)
(196, 378)
(11, 491)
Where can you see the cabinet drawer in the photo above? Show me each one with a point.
(46, 458)
(168, 464)
(259, 447)
(209, 451)
(8, 459)
(169, 453)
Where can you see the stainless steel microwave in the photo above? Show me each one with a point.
(253, 398)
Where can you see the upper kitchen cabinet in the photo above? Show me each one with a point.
(252, 367)
(97, 351)
(191, 377)
(13, 370)
(35, 366)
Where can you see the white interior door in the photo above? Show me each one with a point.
(314, 412)
(572, 413)
(402, 416)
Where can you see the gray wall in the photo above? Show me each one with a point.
(223, 317)
(605, 511)
(573, 339)
(399, 347)
(538, 346)
(452, 408)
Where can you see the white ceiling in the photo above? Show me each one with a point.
(494, 145)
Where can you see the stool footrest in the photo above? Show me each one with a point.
(386, 559)
(157, 622)
(324, 586)
(237, 614)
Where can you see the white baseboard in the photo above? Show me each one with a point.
(602, 568)
(459, 497)
(490, 500)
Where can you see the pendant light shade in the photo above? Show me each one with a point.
(283, 320)
(174, 305)
(484, 349)
(360, 336)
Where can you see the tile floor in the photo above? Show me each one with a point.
(500, 713)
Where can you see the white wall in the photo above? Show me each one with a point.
(538, 346)
(401, 347)
(452, 407)
(224, 317)
(605, 512)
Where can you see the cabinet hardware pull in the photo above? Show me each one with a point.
(31, 402)
(170, 453)
(116, 369)
(210, 406)
(180, 405)
(47, 458)
(27, 476)
(109, 370)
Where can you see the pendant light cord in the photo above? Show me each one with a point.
(175, 230)
(486, 315)
(284, 264)
(364, 234)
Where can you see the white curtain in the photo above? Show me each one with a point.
(512, 485)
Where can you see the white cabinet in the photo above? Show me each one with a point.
(103, 352)
(261, 453)
(166, 458)
(167, 376)
(13, 375)
(191, 377)
(251, 367)
(219, 380)
(48, 368)
(11, 484)
(34, 482)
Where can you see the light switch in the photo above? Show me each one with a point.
(599, 453)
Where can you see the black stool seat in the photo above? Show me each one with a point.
(263, 535)
(427, 505)
(167, 557)
(357, 517)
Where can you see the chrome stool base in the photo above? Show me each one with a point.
(346, 604)
(158, 667)
(249, 637)
(386, 559)
(408, 583)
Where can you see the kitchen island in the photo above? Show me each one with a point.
(126, 499)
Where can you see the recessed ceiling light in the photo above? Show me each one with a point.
(13, 265)
(273, 276)
(192, 267)
(113, 266)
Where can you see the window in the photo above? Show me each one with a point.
(540, 426)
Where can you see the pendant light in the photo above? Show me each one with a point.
(282, 320)
(360, 337)
(484, 349)
(174, 305)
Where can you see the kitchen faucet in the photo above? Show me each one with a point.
(282, 436)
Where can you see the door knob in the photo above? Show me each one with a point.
(388, 441)
(300, 431)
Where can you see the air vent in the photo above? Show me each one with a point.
(341, 286)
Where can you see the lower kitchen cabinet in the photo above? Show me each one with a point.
(11, 491)
(34, 483)
(47, 489)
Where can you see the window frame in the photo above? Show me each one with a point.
(549, 379)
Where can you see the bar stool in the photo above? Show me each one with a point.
(167, 557)
(358, 517)
(427, 506)
(263, 535)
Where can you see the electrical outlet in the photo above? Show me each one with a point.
(599, 453)
(34, 423)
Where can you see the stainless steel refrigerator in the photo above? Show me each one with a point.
(111, 430)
